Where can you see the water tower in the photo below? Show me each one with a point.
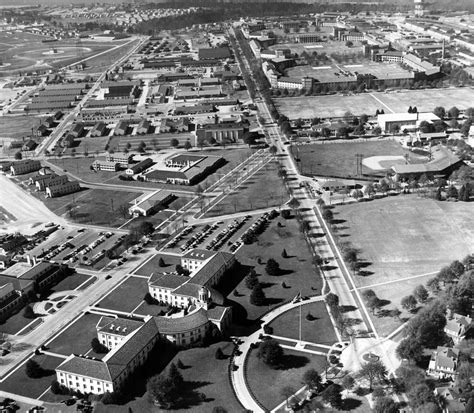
(419, 8)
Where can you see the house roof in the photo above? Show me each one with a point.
(198, 254)
(445, 357)
(117, 326)
(85, 366)
(217, 312)
(203, 275)
(189, 322)
(168, 281)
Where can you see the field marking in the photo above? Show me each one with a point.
(398, 280)
(378, 100)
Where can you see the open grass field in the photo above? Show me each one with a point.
(318, 331)
(262, 190)
(128, 295)
(92, 206)
(405, 237)
(71, 282)
(152, 265)
(338, 159)
(425, 100)
(15, 323)
(266, 383)
(17, 127)
(297, 272)
(25, 51)
(77, 337)
(20, 383)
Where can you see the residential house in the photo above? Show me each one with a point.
(453, 401)
(143, 127)
(41, 130)
(122, 128)
(457, 327)
(77, 131)
(443, 363)
(99, 129)
(29, 145)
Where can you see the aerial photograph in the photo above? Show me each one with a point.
(236, 206)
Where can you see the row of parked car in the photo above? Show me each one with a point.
(224, 236)
(257, 227)
(179, 237)
(199, 237)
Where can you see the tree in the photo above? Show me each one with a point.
(97, 346)
(446, 275)
(410, 349)
(439, 111)
(332, 395)
(293, 203)
(180, 364)
(162, 390)
(218, 409)
(272, 267)
(312, 379)
(28, 312)
(332, 300)
(257, 296)
(419, 395)
(385, 405)
(187, 145)
(287, 392)
(431, 407)
(409, 303)
(273, 150)
(453, 112)
(33, 369)
(145, 228)
(452, 192)
(251, 280)
(374, 303)
(270, 352)
(348, 382)
(161, 262)
(175, 376)
(420, 293)
(284, 254)
(174, 142)
(219, 354)
(18, 156)
(373, 371)
(328, 215)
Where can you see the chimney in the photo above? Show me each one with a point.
(34, 261)
(28, 260)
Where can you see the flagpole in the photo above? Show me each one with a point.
(300, 316)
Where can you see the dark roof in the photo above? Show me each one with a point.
(118, 359)
(117, 326)
(199, 254)
(217, 312)
(170, 281)
(181, 324)
(188, 289)
(85, 366)
(214, 53)
(217, 261)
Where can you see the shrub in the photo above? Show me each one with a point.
(286, 213)
(267, 329)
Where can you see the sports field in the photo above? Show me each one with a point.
(339, 158)
(404, 241)
(307, 107)
(407, 235)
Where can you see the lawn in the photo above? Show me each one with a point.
(297, 273)
(15, 323)
(403, 237)
(92, 206)
(71, 282)
(18, 126)
(266, 383)
(20, 383)
(152, 265)
(126, 296)
(202, 374)
(318, 331)
(77, 337)
(338, 159)
(262, 190)
(308, 107)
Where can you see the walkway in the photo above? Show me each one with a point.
(238, 376)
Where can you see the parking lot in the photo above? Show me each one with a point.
(218, 236)
(76, 245)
